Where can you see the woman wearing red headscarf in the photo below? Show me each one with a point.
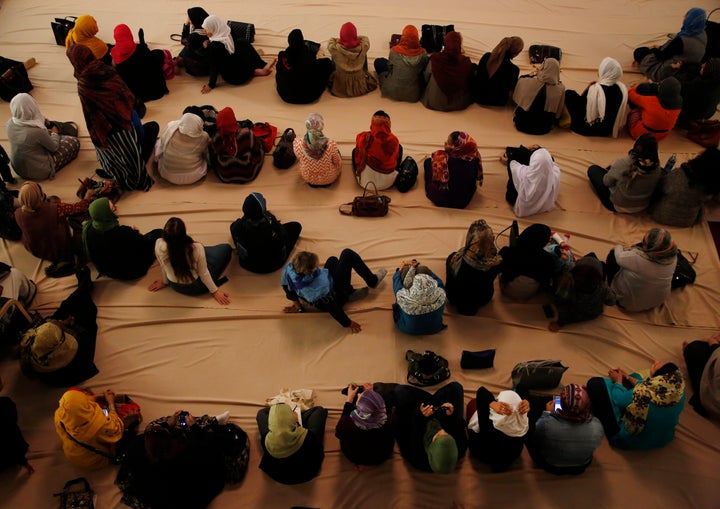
(377, 153)
(400, 75)
(235, 154)
(349, 54)
(448, 76)
(139, 67)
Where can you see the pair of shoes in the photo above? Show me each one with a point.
(380, 275)
(358, 294)
(62, 269)
(104, 174)
(31, 293)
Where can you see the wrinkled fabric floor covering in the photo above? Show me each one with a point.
(170, 351)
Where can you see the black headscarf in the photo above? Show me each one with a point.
(704, 170)
(197, 16)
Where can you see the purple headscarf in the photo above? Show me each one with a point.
(370, 411)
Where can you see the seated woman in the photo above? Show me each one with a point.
(292, 450)
(193, 56)
(318, 157)
(497, 427)
(641, 275)
(581, 293)
(188, 267)
(700, 94)
(400, 75)
(90, 426)
(687, 47)
(448, 76)
(107, 105)
(453, 174)
(46, 231)
(431, 429)
(639, 411)
(496, 75)
(181, 152)
(236, 61)
(366, 429)
(349, 56)
(702, 358)
(262, 242)
(377, 153)
(526, 267)
(329, 288)
(602, 107)
(84, 33)
(540, 99)
(533, 180)
(12, 442)
(37, 150)
(140, 68)
(183, 461)
(655, 108)
(119, 252)
(682, 193)
(301, 77)
(471, 271)
(628, 185)
(236, 154)
(61, 350)
(16, 285)
(420, 299)
(564, 440)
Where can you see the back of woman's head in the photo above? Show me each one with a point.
(704, 170)
(31, 196)
(179, 246)
(195, 110)
(305, 263)
(666, 369)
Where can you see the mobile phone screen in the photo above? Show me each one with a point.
(105, 411)
(558, 406)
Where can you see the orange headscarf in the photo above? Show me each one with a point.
(409, 42)
(378, 148)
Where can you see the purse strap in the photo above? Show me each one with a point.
(366, 188)
(88, 446)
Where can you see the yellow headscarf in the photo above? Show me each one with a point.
(286, 435)
(84, 34)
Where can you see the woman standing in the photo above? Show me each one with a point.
(496, 75)
(540, 99)
(453, 174)
(400, 75)
(108, 108)
(188, 267)
(349, 55)
(448, 76)
(301, 77)
(319, 161)
(84, 33)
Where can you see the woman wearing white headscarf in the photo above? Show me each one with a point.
(420, 299)
(497, 427)
(235, 60)
(540, 99)
(181, 151)
(37, 150)
(602, 108)
(534, 180)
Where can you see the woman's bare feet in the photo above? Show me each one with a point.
(265, 71)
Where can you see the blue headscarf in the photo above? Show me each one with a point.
(694, 23)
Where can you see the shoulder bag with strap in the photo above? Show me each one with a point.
(367, 205)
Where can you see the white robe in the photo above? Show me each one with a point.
(537, 184)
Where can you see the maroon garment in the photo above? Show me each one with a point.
(451, 69)
(45, 233)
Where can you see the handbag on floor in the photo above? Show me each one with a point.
(367, 205)
(539, 52)
(425, 369)
(433, 36)
(266, 132)
(61, 27)
(242, 31)
(704, 132)
(538, 374)
(13, 79)
(284, 154)
(407, 175)
(76, 494)
(684, 273)
(65, 128)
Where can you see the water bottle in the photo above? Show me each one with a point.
(670, 164)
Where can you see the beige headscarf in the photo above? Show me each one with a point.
(31, 196)
(548, 76)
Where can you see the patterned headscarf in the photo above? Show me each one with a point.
(575, 404)
(25, 111)
(662, 390)
(508, 47)
(694, 23)
(84, 33)
(458, 145)
(370, 411)
(409, 42)
(658, 246)
(348, 36)
(424, 296)
(285, 436)
(479, 251)
(609, 73)
(220, 32)
(125, 46)
(314, 141)
(644, 155)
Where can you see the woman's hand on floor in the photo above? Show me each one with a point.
(156, 285)
(221, 297)
(354, 327)
(205, 89)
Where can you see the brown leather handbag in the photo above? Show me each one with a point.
(705, 132)
(368, 205)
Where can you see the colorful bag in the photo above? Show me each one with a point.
(244, 165)
(426, 369)
(266, 132)
(102, 189)
(704, 132)
(367, 205)
(76, 494)
(284, 154)
(61, 27)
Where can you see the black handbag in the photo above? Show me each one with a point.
(61, 27)
(539, 52)
(242, 31)
(76, 494)
(425, 369)
(13, 79)
(284, 154)
(433, 36)
(538, 374)
(407, 175)
(684, 273)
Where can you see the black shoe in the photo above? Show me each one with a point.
(104, 174)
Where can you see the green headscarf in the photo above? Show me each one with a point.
(442, 453)
(102, 219)
(286, 435)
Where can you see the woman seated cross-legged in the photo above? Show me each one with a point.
(702, 358)
(533, 180)
(420, 299)
(236, 154)
(349, 54)
(187, 266)
(181, 152)
(377, 154)
(319, 162)
(140, 67)
(655, 108)
(301, 77)
(540, 99)
(526, 267)
(400, 75)
(453, 173)
(193, 56)
(448, 76)
(496, 75)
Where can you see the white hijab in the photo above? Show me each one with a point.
(189, 125)
(220, 32)
(609, 73)
(513, 425)
(25, 111)
(537, 184)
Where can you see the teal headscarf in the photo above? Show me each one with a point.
(102, 218)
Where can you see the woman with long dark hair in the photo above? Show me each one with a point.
(187, 266)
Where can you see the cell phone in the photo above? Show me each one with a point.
(352, 384)
(105, 411)
(182, 419)
(558, 406)
(438, 409)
